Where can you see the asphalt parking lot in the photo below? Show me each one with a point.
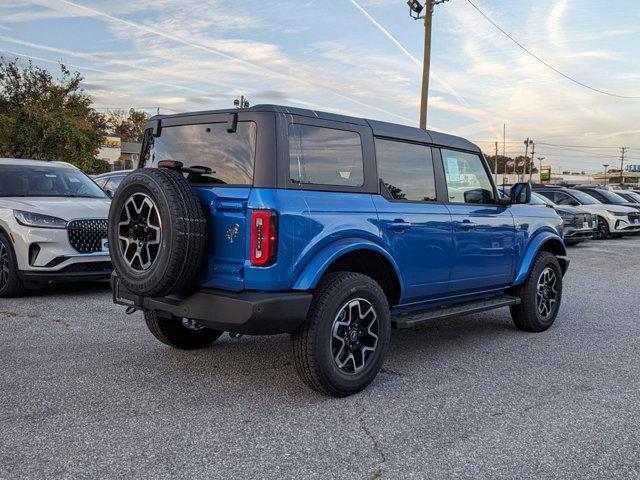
(87, 392)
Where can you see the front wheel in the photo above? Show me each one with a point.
(540, 295)
(181, 333)
(10, 283)
(343, 342)
(603, 232)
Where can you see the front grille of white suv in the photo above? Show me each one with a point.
(86, 236)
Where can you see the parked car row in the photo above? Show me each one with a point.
(614, 215)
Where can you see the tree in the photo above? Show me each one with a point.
(129, 127)
(491, 160)
(502, 161)
(47, 118)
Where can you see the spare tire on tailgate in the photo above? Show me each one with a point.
(156, 232)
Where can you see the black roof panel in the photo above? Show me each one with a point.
(383, 129)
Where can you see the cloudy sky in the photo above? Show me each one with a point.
(362, 58)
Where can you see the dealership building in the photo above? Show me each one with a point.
(120, 155)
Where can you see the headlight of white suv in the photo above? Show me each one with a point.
(31, 219)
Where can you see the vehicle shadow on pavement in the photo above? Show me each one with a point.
(264, 365)
(72, 289)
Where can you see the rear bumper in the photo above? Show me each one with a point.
(250, 313)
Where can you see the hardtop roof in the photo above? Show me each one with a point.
(381, 129)
(27, 162)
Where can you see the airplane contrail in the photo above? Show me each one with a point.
(415, 60)
(177, 39)
(127, 64)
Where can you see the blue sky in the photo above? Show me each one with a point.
(361, 58)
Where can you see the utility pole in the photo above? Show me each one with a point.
(526, 159)
(605, 165)
(623, 150)
(533, 154)
(504, 140)
(415, 9)
(495, 163)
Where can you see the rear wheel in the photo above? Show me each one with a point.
(540, 295)
(343, 342)
(10, 283)
(181, 333)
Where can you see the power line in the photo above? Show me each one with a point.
(578, 82)
(574, 146)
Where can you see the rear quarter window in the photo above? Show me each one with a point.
(325, 156)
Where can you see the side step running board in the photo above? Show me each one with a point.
(412, 319)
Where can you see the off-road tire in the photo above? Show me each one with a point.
(525, 315)
(183, 228)
(172, 332)
(602, 231)
(311, 342)
(14, 285)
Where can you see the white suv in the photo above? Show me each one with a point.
(616, 220)
(53, 225)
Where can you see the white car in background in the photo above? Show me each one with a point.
(612, 220)
(53, 225)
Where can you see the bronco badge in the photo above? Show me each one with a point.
(233, 232)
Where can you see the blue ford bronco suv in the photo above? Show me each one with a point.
(334, 229)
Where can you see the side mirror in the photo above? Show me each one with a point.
(521, 193)
(109, 193)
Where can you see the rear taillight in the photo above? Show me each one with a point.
(264, 237)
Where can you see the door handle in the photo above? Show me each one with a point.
(465, 225)
(399, 225)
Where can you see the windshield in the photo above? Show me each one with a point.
(538, 200)
(612, 197)
(46, 181)
(230, 156)
(632, 196)
(584, 198)
(542, 198)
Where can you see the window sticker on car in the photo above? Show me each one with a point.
(453, 169)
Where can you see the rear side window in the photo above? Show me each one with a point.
(406, 170)
(467, 179)
(325, 156)
(230, 156)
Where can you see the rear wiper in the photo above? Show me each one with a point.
(199, 169)
(179, 167)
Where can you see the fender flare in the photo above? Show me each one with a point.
(321, 261)
(532, 249)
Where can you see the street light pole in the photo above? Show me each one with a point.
(540, 172)
(415, 10)
(605, 165)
